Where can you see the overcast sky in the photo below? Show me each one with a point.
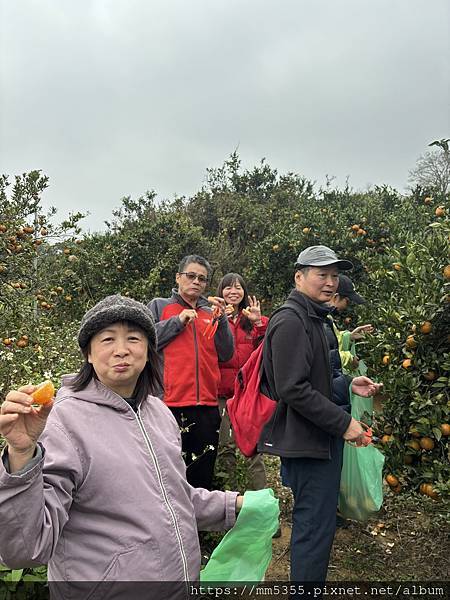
(115, 97)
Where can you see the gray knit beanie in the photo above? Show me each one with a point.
(111, 310)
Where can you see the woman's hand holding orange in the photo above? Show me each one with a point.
(21, 424)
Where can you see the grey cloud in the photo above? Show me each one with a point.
(112, 98)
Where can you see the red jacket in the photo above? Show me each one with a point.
(190, 359)
(244, 344)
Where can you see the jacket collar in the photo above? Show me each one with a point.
(314, 309)
(201, 302)
(94, 392)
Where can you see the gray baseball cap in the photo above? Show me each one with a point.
(321, 256)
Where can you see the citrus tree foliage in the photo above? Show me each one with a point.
(255, 222)
(34, 294)
(139, 253)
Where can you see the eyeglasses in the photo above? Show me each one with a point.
(193, 276)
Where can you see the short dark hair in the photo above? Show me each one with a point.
(149, 381)
(229, 279)
(194, 258)
(303, 268)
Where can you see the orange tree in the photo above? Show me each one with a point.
(30, 291)
(255, 222)
(139, 253)
(259, 221)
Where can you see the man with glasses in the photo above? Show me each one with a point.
(191, 357)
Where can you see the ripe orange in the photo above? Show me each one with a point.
(28, 229)
(7, 341)
(447, 272)
(406, 363)
(22, 343)
(445, 428)
(397, 266)
(426, 327)
(306, 230)
(386, 439)
(275, 247)
(414, 445)
(392, 480)
(440, 211)
(426, 443)
(355, 227)
(386, 359)
(427, 200)
(424, 488)
(44, 392)
(411, 341)
(432, 493)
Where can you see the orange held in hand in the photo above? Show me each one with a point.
(44, 392)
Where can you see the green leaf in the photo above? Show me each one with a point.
(437, 433)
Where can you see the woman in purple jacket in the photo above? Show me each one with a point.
(93, 483)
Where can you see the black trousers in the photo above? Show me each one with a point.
(315, 487)
(199, 426)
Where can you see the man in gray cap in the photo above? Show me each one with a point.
(310, 423)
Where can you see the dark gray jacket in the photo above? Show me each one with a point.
(298, 372)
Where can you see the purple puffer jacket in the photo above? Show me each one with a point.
(109, 501)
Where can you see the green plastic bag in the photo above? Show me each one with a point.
(349, 345)
(361, 491)
(246, 550)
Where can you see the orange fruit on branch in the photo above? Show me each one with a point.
(445, 428)
(392, 480)
(426, 443)
(411, 341)
(447, 272)
(406, 363)
(426, 327)
(414, 445)
(44, 392)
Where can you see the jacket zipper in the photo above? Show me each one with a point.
(166, 498)
(197, 383)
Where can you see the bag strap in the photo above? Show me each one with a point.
(290, 305)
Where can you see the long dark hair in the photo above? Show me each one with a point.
(229, 279)
(149, 381)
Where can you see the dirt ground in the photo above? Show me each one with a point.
(408, 540)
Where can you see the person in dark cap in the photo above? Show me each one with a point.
(344, 296)
(93, 483)
(310, 423)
